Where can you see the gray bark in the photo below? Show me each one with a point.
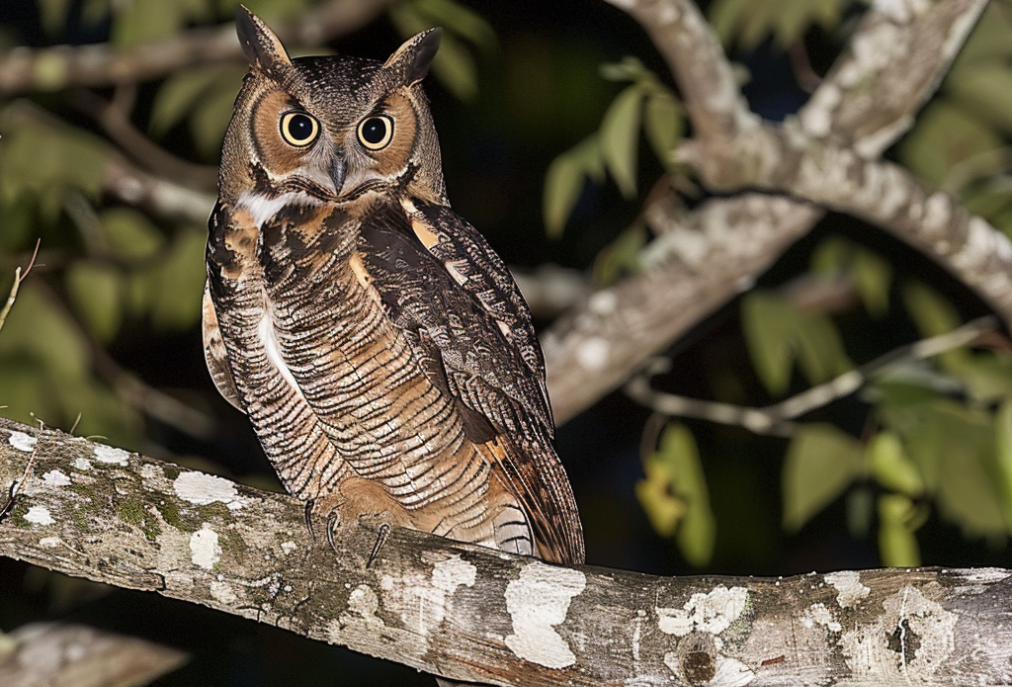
(471, 613)
(893, 64)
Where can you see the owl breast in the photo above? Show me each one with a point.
(343, 405)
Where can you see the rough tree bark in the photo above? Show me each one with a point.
(476, 614)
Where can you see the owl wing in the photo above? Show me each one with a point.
(214, 353)
(471, 330)
(479, 271)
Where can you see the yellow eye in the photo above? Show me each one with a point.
(375, 133)
(299, 129)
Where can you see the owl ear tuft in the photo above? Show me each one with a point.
(261, 46)
(415, 56)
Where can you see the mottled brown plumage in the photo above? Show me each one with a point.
(377, 343)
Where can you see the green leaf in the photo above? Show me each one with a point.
(872, 275)
(662, 119)
(819, 348)
(675, 497)
(750, 22)
(145, 21)
(179, 94)
(45, 162)
(777, 333)
(860, 510)
(95, 289)
(955, 451)
(988, 41)
(130, 234)
(891, 467)
(986, 90)
(26, 392)
(97, 412)
(821, 463)
(697, 535)
(37, 329)
(944, 136)
(764, 317)
(662, 508)
(180, 282)
(832, 256)
(620, 130)
(564, 182)
(455, 68)
(211, 115)
(934, 315)
(896, 541)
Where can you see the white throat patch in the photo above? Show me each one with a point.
(261, 208)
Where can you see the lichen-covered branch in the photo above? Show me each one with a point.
(471, 613)
(705, 259)
(102, 64)
(893, 63)
(784, 160)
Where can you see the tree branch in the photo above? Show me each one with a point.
(703, 260)
(65, 655)
(783, 159)
(471, 613)
(897, 57)
(51, 69)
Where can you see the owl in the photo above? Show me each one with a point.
(380, 348)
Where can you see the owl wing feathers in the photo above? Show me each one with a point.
(215, 354)
(482, 273)
(464, 349)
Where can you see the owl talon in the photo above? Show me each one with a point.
(308, 514)
(381, 539)
(333, 521)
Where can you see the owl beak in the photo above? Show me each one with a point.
(338, 168)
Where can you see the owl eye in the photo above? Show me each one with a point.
(299, 129)
(375, 132)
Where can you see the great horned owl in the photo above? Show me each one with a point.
(380, 347)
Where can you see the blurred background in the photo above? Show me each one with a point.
(555, 119)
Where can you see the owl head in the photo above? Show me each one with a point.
(330, 128)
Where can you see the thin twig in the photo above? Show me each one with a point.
(776, 419)
(19, 277)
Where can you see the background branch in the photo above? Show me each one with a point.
(70, 655)
(776, 419)
(597, 346)
(51, 69)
